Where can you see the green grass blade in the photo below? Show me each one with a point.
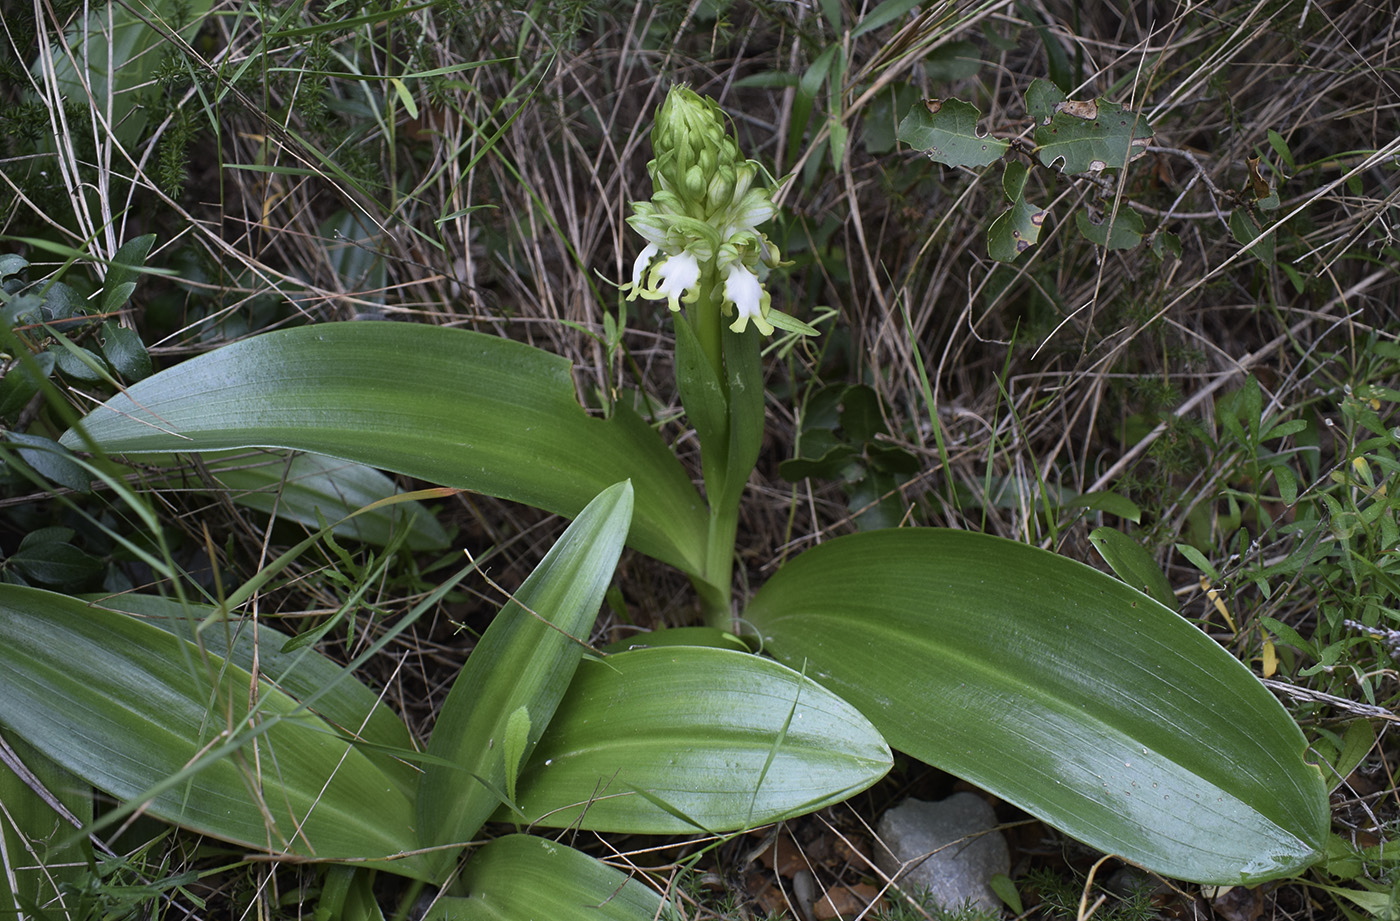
(726, 739)
(526, 658)
(1057, 688)
(449, 406)
(144, 715)
(336, 695)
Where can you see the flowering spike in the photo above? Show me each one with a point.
(702, 220)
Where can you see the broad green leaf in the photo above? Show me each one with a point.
(1087, 135)
(453, 407)
(299, 487)
(1123, 230)
(153, 720)
(1057, 688)
(526, 658)
(339, 697)
(683, 738)
(679, 636)
(522, 876)
(41, 865)
(1133, 564)
(946, 130)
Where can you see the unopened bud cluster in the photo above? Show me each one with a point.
(706, 205)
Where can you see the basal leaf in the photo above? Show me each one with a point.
(335, 694)
(682, 738)
(454, 407)
(153, 720)
(525, 659)
(43, 864)
(946, 130)
(522, 876)
(1060, 689)
(307, 489)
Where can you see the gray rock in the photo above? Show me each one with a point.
(948, 847)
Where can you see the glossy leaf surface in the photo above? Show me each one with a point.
(1057, 688)
(524, 660)
(299, 486)
(333, 692)
(453, 407)
(726, 740)
(149, 718)
(522, 876)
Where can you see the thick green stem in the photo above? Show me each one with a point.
(719, 563)
(715, 584)
(709, 321)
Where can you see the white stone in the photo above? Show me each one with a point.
(949, 848)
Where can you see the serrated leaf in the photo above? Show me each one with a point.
(1060, 689)
(1013, 180)
(152, 719)
(449, 406)
(526, 658)
(1087, 136)
(946, 130)
(1166, 244)
(1123, 230)
(681, 738)
(1015, 231)
(1041, 98)
(523, 876)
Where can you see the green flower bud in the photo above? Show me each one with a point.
(701, 222)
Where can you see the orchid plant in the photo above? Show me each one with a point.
(1054, 686)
